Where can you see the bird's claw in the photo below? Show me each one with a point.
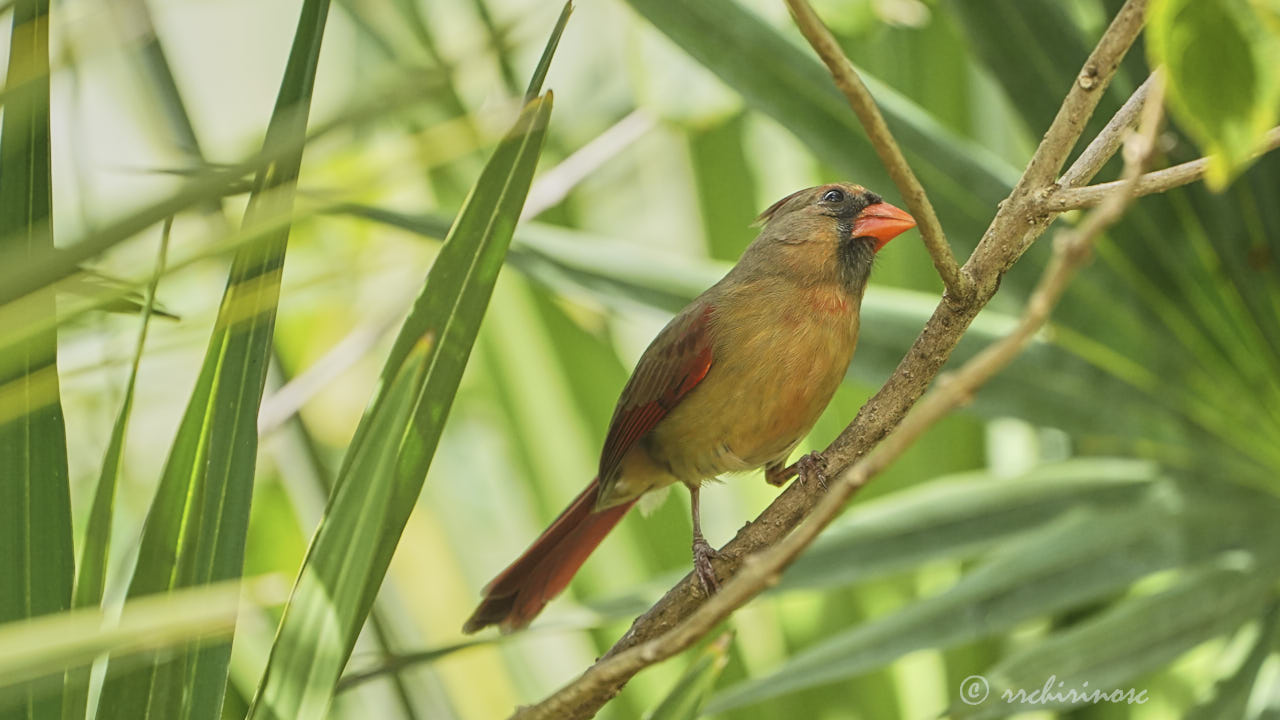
(703, 553)
(812, 467)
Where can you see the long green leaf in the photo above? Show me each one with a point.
(778, 78)
(962, 516)
(196, 528)
(36, 555)
(1031, 46)
(331, 580)
(1135, 636)
(685, 699)
(1231, 696)
(91, 571)
(1082, 556)
(34, 653)
(386, 464)
(18, 277)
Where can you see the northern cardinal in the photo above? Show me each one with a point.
(732, 383)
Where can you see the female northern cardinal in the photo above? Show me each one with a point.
(732, 383)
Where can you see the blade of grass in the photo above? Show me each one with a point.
(20, 276)
(36, 553)
(961, 517)
(332, 596)
(1132, 637)
(92, 568)
(155, 63)
(386, 464)
(378, 461)
(320, 475)
(685, 700)
(1080, 557)
(34, 653)
(1231, 693)
(196, 528)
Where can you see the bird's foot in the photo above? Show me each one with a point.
(703, 554)
(812, 467)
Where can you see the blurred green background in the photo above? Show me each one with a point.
(1127, 464)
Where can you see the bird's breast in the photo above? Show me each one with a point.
(776, 365)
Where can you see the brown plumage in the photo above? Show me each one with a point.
(734, 382)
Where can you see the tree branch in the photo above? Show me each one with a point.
(1153, 182)
(762, 570)
(1084, 95)
(995, 254)
(1016, 223)
(864, 106)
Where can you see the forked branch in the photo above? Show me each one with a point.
(1157, 181)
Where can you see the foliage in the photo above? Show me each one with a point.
(1221, 58)
(1102, 512)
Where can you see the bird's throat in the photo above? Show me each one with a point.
(854, 257)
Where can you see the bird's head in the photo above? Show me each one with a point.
(830, 230)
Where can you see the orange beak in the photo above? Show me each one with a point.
(883, 222)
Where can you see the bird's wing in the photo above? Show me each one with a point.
(675, 362)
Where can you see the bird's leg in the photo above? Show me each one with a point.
(702, 551)
(809, 467)
(777, 473)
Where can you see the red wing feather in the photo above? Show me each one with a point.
(676, 361)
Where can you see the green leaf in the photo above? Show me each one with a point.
(961, 516)
(965, 181)
(387, 461)
(92, 569)
(36, 554)
(1086, 554)
(548, 52)
(726, 189)
(1137, 635)
(195, 530)
(21, 275)
(685, 699)
(576, 263)
(34, 653)
(1222, 59)
(1034, 48)
(1231, 696)
(330, 581)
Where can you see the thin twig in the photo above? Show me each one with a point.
(1153, 182)
(864, 106)
(1100, 150)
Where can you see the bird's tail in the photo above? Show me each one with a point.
(515, 597)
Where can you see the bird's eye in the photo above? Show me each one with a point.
(833, 196)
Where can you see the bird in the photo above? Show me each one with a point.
(733, 383)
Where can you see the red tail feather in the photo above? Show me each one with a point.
(515, 597)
